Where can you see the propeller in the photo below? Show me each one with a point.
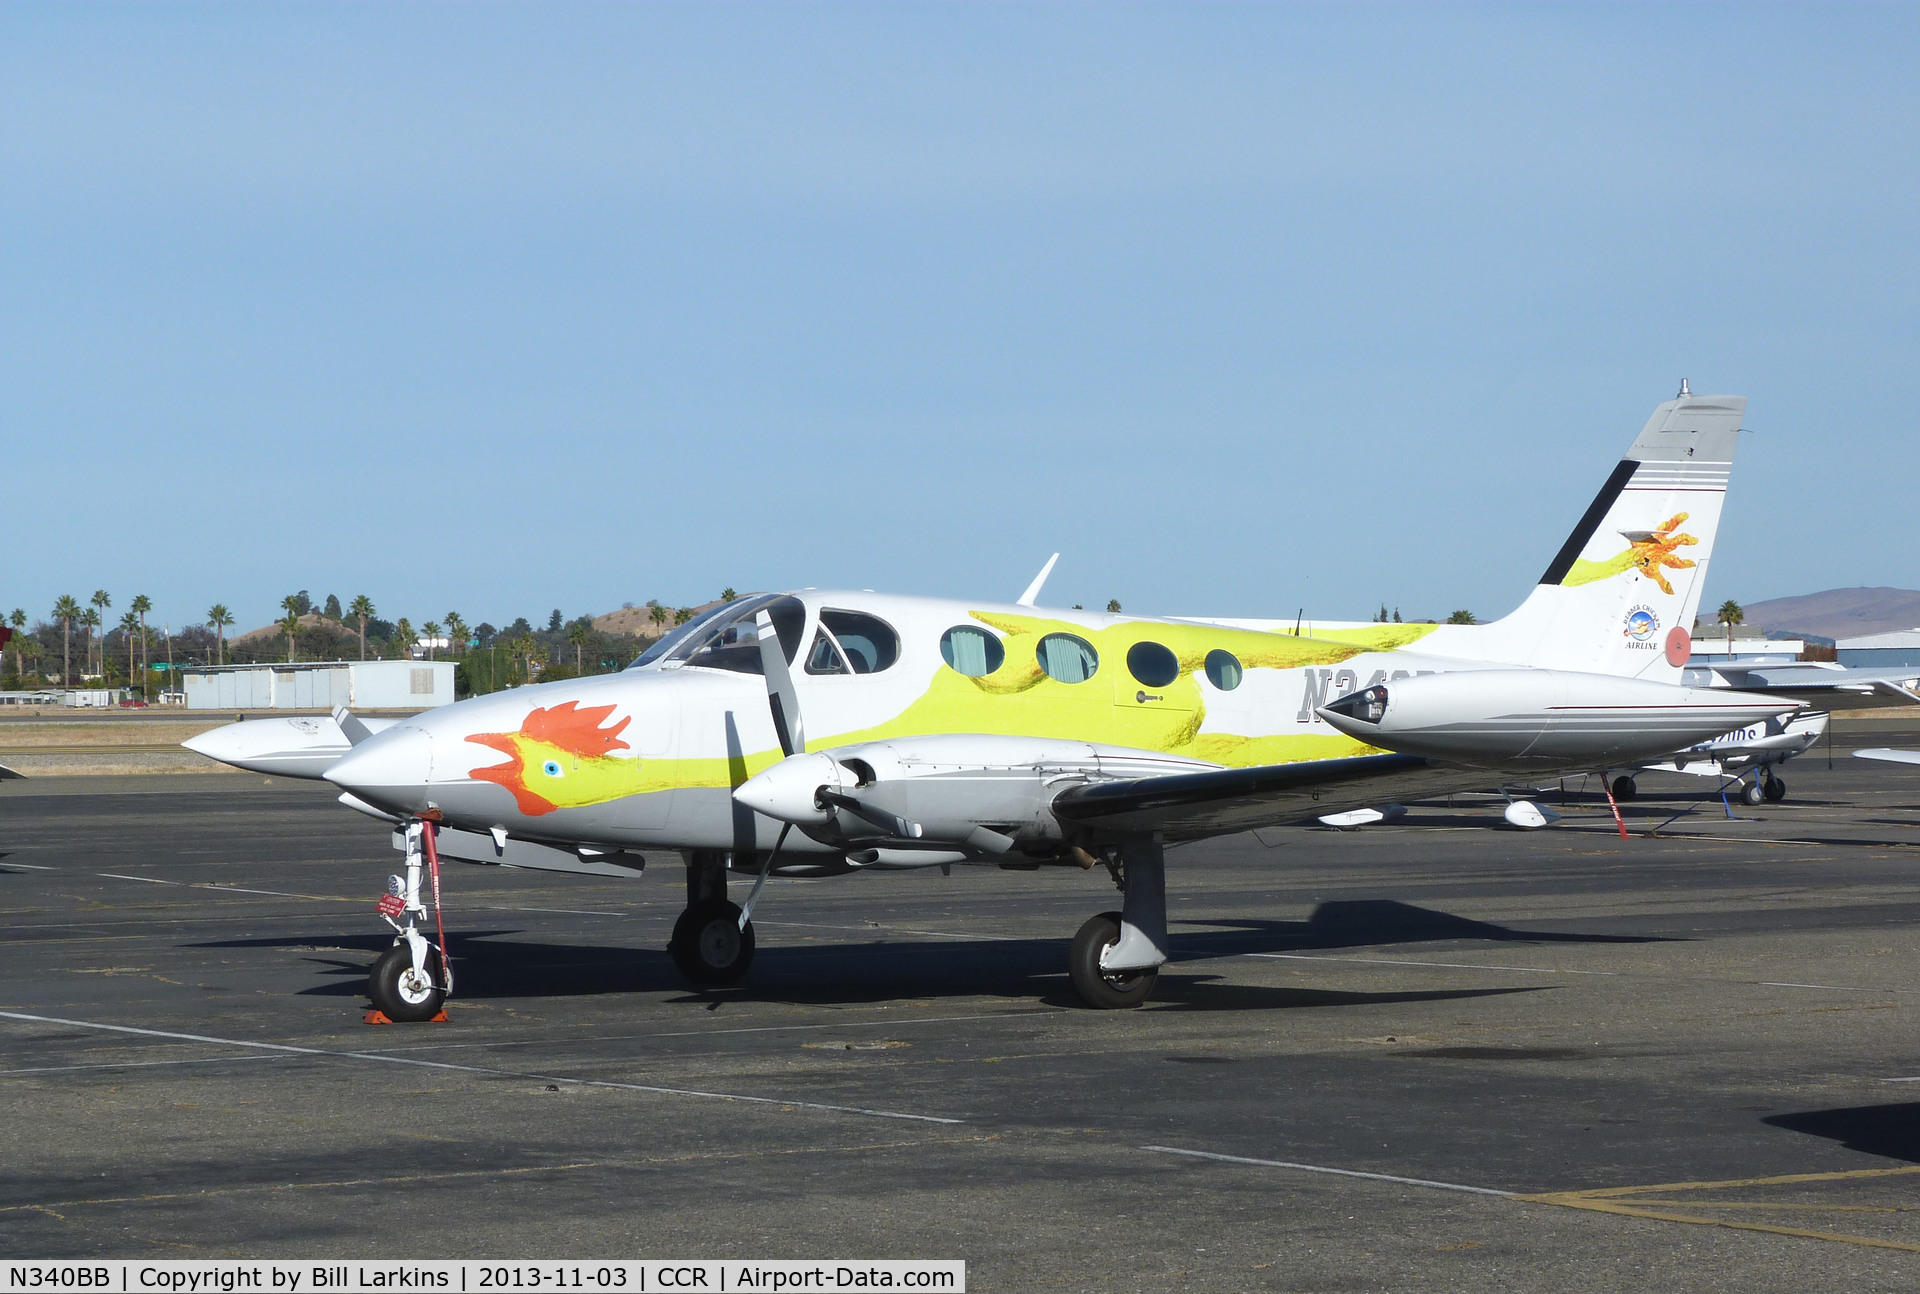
(781, 696)
(891, 823)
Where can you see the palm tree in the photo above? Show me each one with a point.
(362, 608)
(431, 629)
(290, 625)
(101, 602)
(1113, 605)
(142, 604)
(403, 638)
(728, 595)
(129, 627)
(456, 634)
(579, 636)
(657, 614)
(89, 621)
(1462, 618)
(66, 611)
(219, 618)
(1731, 614)
(19, 622)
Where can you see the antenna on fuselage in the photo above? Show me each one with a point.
(1033, 589)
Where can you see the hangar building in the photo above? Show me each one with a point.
(321, 685)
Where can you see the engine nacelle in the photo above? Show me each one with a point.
(1538, 718)
(953, 788)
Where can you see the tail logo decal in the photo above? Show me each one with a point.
(1643, 622)
(1648, 551)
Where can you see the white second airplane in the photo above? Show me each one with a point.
(816, 733)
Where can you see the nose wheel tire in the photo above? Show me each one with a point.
(710, 946)
(1108, 990)
(403, 993)
(1775, 790)
(1624, 788)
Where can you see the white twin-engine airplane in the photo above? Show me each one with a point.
(816, 733)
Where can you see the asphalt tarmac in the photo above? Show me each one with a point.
(1433, 1055)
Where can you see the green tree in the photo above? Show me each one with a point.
(66, 611)
(403, 638)
(1113, 605)
(218, 619)
(554, 621)
(1731, 614)
(142, 604)
(332, 609)
(580, 635)
(457, 633)
(362, 610)
(728, 595)
(683, 615)
(19, 622)
(290, 625)
(431, 629)
(656, 613)
(1462, 617)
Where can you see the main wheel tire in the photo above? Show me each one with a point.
(1775, 790)
(1108, 990)
(709, 944)
(1624, 788)
(1750, 793)
(401, 993)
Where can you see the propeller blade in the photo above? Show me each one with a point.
(891, 823)
(781, 697)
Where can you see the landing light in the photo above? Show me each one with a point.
(1367, 706)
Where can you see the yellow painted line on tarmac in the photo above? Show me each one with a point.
(1610, 1200)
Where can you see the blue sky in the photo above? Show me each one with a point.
(1241, 308)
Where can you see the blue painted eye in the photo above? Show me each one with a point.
(552, 768)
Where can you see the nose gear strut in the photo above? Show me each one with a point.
(412, 980)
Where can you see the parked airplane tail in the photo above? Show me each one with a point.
(1621, 595)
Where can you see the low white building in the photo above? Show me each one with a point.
(321, 685)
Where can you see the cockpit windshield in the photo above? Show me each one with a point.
(664, 645)
(732, 641)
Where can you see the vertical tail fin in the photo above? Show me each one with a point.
(1621, 594)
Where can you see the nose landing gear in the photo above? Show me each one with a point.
(411, 980)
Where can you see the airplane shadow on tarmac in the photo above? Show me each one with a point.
(495, 964)
(1889, 1130)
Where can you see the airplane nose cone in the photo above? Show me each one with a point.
(390, 769)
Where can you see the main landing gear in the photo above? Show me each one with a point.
(411, 980)
(712, 942)
(1771, 789)
(1116, 957)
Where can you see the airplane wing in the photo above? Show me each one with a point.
(1814, 684)
(1190, 806)
(1891, 756)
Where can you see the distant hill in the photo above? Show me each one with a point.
(1835, 613)
(638, 621)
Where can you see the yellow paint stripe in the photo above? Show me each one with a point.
(1615, 1192)
(1632, 1211)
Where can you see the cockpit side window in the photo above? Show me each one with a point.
(869, 642)
(824, 657)
(732, 642)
